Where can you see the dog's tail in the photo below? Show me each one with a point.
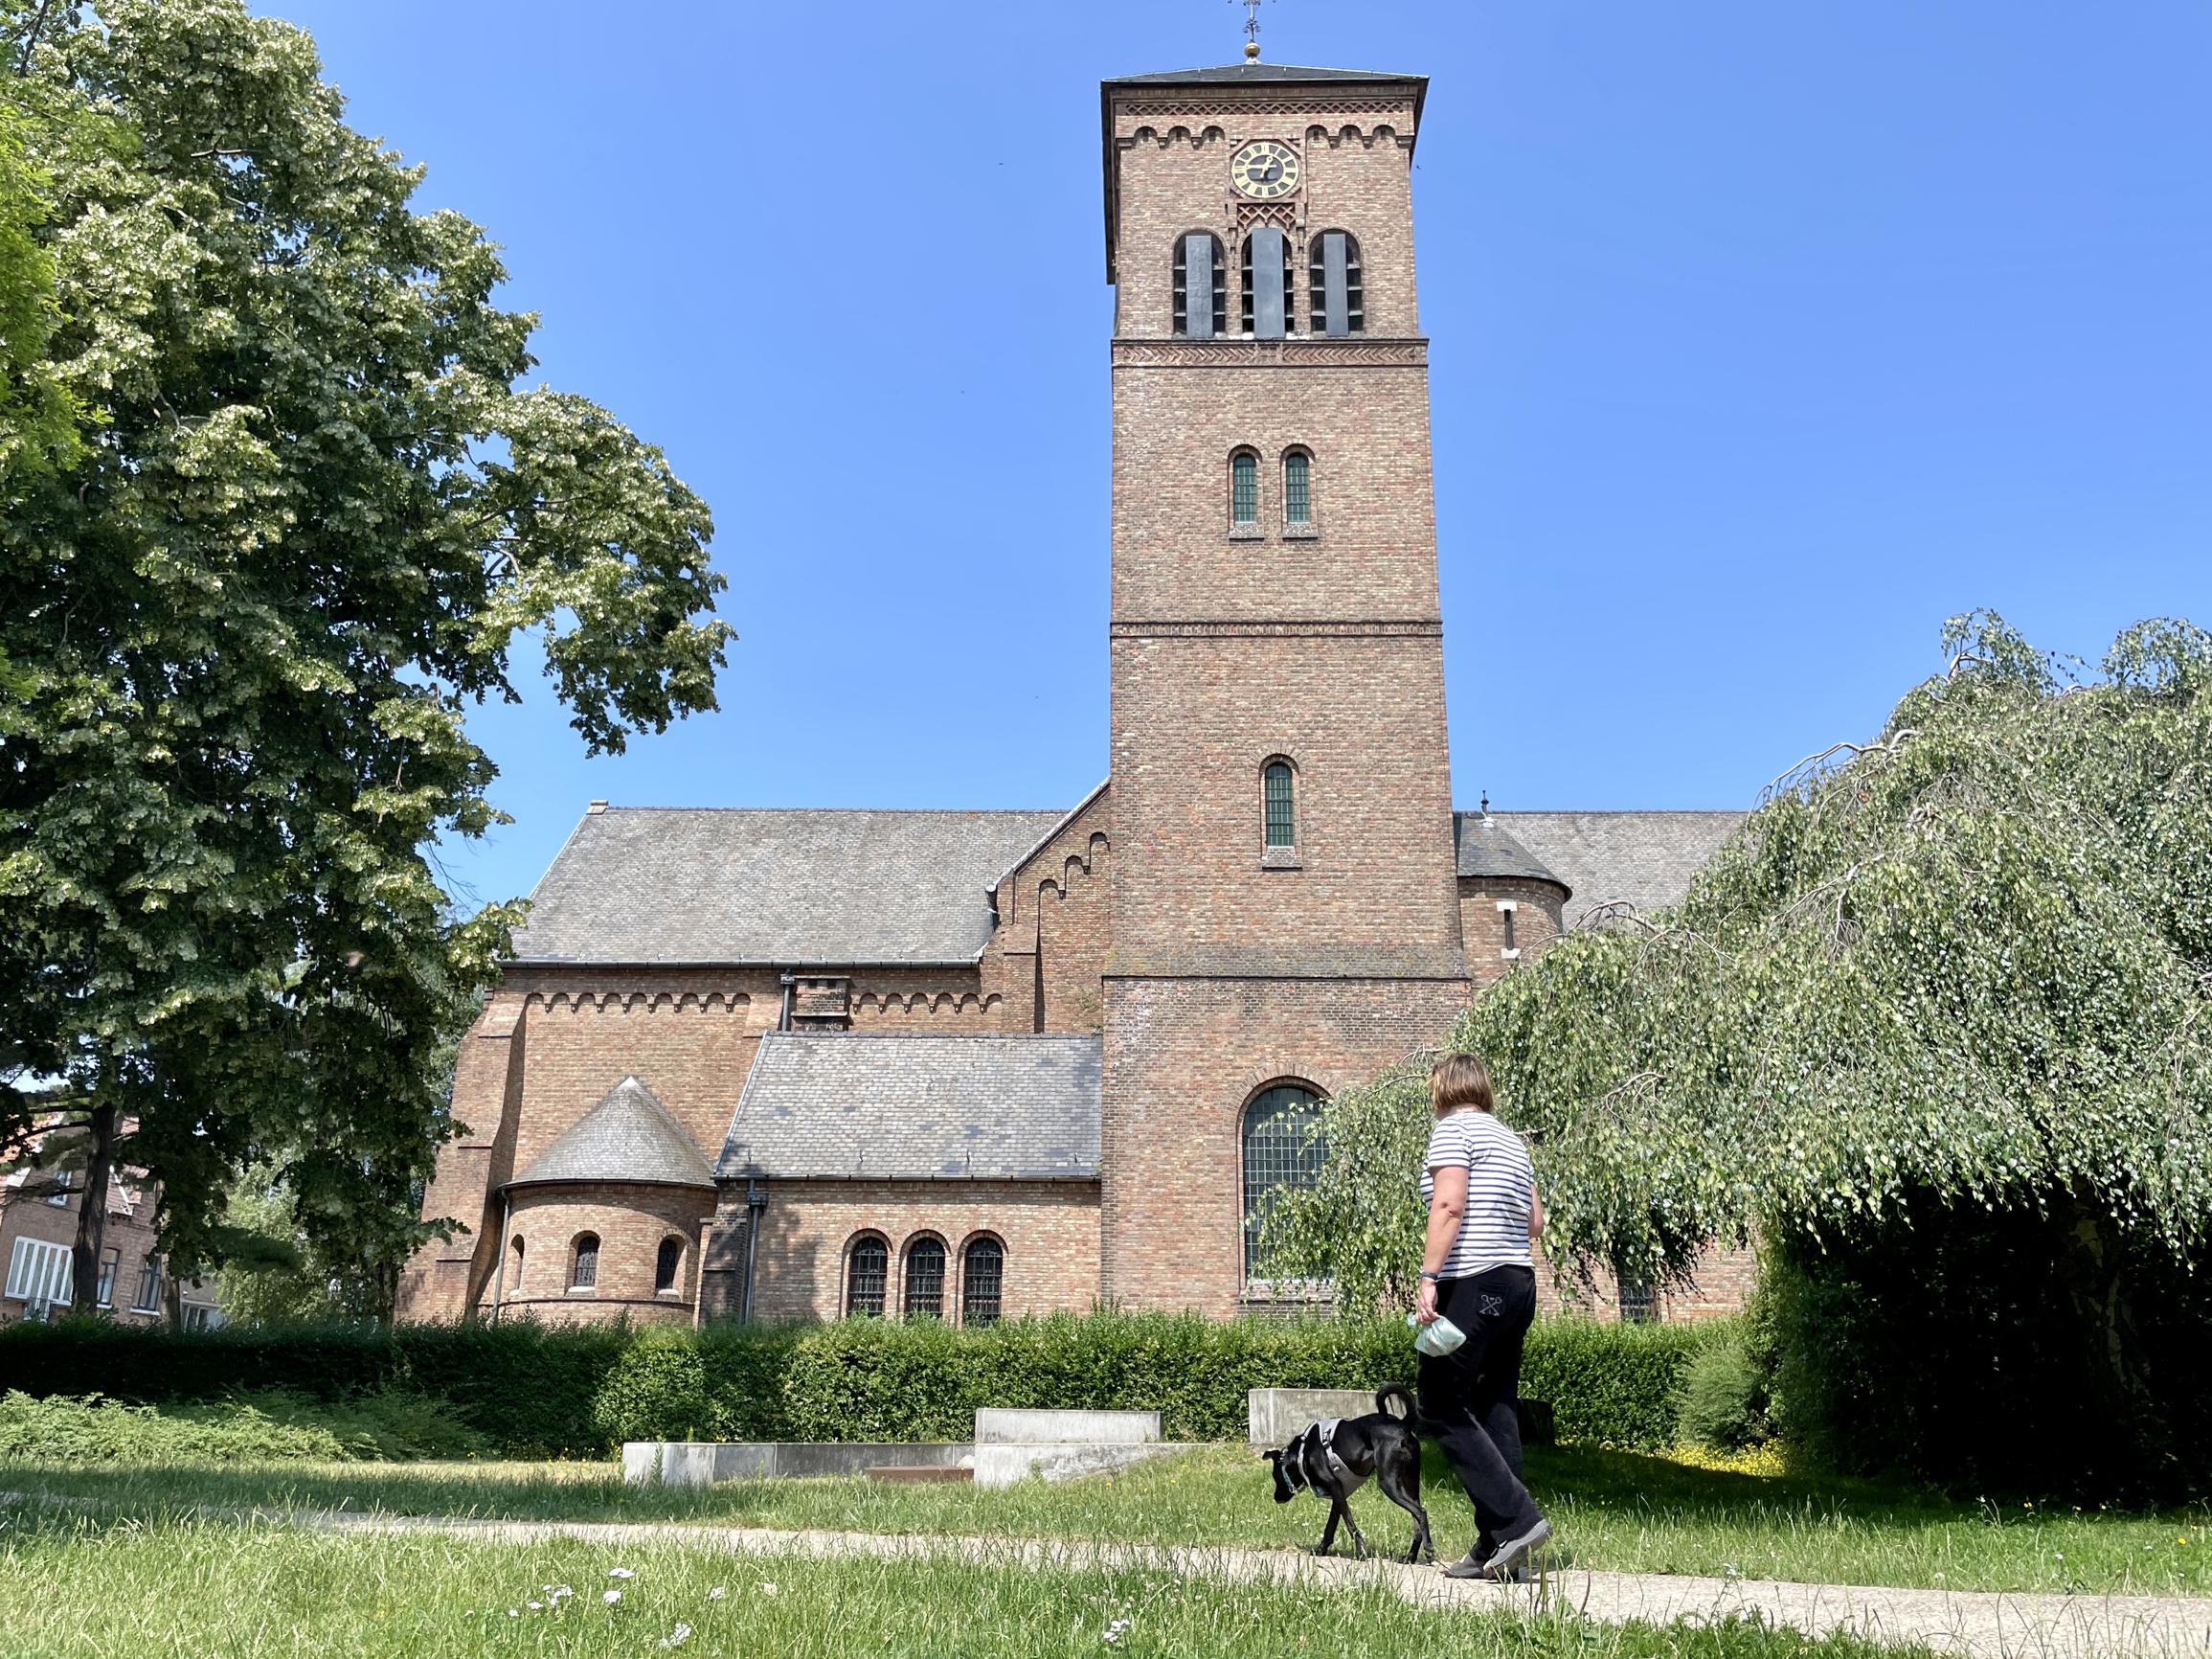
(1390, 1391)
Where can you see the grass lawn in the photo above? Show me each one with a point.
(1614, 1511)
(255, 1590)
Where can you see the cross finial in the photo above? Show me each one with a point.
(1251, 29)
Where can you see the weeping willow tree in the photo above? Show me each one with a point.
(1933, 1025)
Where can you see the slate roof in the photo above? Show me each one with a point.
(794, 887)
(628, 1136)
(1644, 859)
(1012, 1108)
(1486, 849)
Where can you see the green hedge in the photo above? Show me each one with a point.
(534, 1390)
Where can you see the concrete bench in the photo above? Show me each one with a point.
(702, 1463)
(995, 1426)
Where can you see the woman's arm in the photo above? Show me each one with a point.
(1447, 1205)
(1535, 1216)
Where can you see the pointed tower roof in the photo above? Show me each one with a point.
(628, 1136)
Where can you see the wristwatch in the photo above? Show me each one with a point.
(1426, 1274)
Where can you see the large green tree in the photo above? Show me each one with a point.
(314, 507)
(1959, 970)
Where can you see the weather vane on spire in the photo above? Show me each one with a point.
(1251, 27)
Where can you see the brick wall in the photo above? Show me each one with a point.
(1050, 1230)
(630, 1222)
(1183, 1057)
(1536, 922)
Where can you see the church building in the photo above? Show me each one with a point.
(776, 1065)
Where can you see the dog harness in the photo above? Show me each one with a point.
(1324, 1437)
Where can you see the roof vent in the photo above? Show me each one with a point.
(597, 807)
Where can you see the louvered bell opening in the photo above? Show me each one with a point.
(1336, 293)
(1281, 1154)
(1298, 501)
(1276, 792)
(1179, 325)
(1244, 489)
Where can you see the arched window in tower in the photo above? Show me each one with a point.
(584, 1263)
(517, 1269)
(1277, 804)
(1201, 287)
(1267, 284)
(1243, 488)
(1297, 490)
(1282, 1153)
(925, 1277)
(866, 1268)
(982, 1282)
(668, 1265)
(1337, 295)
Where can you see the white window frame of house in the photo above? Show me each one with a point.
(39, 1272)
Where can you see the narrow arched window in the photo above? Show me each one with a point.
(925, 1277)
(584, 1263)
(1337, 293)
(982, 1282)
(517, 1269)
(1282, 1152)
(667, 1264)
(866, 1268)
(1244, 487)
(1277, 805)
(1297, 490)
(1201, 287)
(1267, 284)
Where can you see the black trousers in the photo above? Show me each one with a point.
(1467, 1396)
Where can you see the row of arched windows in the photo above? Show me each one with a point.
(583, 1266)
(1297, 490)
(1336, 292)
(925, 1292)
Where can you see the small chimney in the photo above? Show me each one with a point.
(597, 807)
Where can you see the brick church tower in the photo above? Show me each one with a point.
(1286, 917)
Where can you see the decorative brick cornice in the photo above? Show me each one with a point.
(1361, 353)
(1278, 627)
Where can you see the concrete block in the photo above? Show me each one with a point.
(703, 1463)
(1276, 1413)
(1000, 1427)
(1004, 1465)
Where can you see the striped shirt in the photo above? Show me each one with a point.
(1501, 1191)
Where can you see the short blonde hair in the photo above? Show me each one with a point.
(1459, 1081)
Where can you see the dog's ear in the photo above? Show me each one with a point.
(1273, 1455)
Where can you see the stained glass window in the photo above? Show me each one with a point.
(1281, 1153)
(1297, 495)
(584, 1275)
(1244, 487)
(868, 1267)
(1275, 794)
(982, 1282)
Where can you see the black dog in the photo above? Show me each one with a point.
(1336, 1459)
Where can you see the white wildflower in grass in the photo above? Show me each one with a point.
(677, 1637)
(537, 1607)
(514, 1612)
(558, 1592)
(1116, 1631)
(716, 1593)
(612, 1596)
(768, 1589)
(621, 1573)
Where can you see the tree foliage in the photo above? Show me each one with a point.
(1963, 965)
(313, 506)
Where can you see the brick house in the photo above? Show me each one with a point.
(38, 1214)
(769, 1064)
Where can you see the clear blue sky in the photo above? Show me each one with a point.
(1765, 337)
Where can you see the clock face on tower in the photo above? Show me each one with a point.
(1264, 170)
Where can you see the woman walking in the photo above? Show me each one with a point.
(1478, 1272)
